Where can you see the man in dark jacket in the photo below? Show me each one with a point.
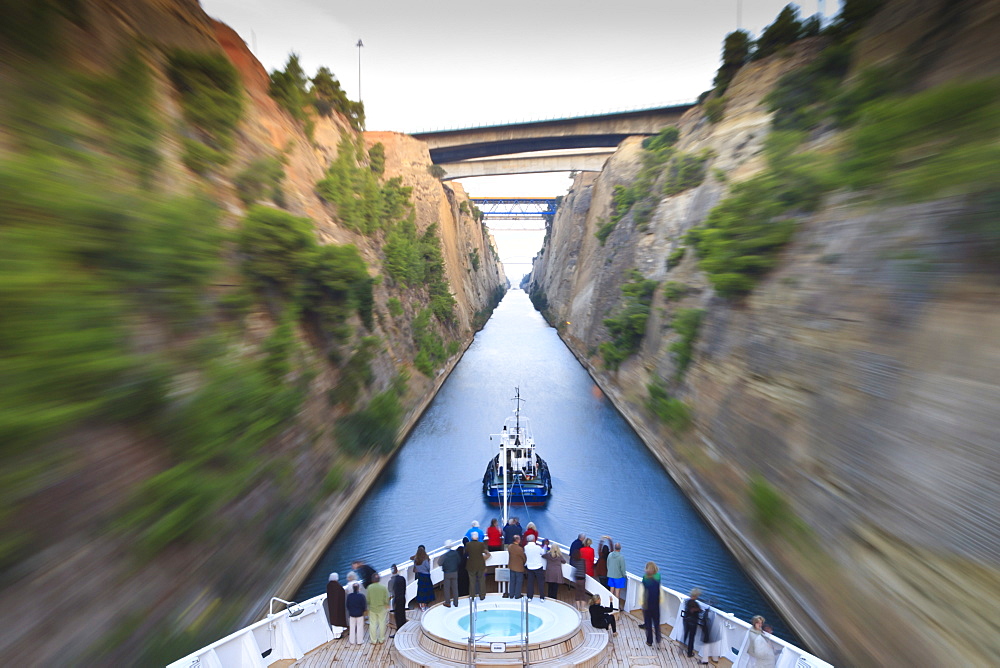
(397, 588)
(692, 619)
(509, 531)
(356, 606)
(364, 571)
(449, 563)
(335, 610)
(478, 554)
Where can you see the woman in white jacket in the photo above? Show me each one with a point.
(758, 647)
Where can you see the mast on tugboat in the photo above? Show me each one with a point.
(503, 450)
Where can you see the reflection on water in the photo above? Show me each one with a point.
(604, 480)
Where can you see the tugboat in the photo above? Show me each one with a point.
(516, 474)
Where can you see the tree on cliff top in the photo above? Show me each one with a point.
(295, 92)
(288, 88)
(785, 30)
(328, 96)
(735, 51)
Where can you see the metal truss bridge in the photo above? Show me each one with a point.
(516, 213)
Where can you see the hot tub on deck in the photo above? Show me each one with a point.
(554, 629)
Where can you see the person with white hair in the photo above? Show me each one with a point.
(534, 564)
(335, 603)
(449, 562)
(477, 555)
(475, 527)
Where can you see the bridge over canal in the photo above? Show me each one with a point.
(581, 143)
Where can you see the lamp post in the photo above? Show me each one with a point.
(359, 45)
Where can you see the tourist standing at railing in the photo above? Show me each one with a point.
(758, 647)
(711, 638)
(617, 580)
(692, 620)
(356, 606)
(450, 562)
(397, 584)
(378, 610)
(475, 527)
(575, 546)
(530, 531)
(587, 556)
(352, 577)
(335, 602)
(364, 571)
(422, 569)
(554, 561)
(463, 568)
(650, 595)
(510, 530)
(494, 537)
(477, 555)
(579, 574)
(515, 562)
(535, 567)
(601, 567)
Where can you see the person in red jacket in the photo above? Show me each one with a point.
(587, 556)
(494, 538)
(530, 531)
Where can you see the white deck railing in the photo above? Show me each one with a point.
(302, 627)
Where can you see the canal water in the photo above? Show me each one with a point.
(604, 480)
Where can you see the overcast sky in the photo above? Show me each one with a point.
(428, 64)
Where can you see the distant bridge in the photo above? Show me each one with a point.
(515, 148)
(516, 208)
(516, 214)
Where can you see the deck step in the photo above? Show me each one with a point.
(587, 655)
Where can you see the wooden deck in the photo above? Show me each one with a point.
(628, 649)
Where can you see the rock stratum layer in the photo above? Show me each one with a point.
(858, 383)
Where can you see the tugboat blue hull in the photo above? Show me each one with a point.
(520, 491)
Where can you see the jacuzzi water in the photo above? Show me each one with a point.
(498, 623)
(498, 620)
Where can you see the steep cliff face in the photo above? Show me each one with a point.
(844, 412)
(101, 543)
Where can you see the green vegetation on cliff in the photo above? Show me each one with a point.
(86, 260)
(363, 203)
(284, 262)
(671, 411)
(662, 166)
(628, 327)
(214, 435)
(261, 179)
(936, 142)
(375, 426)
(296, 94)
(124, 99)
(913, 147)
(212, 101)
(431, 348)
(742, 236)
(414, 260)
(686, 322)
